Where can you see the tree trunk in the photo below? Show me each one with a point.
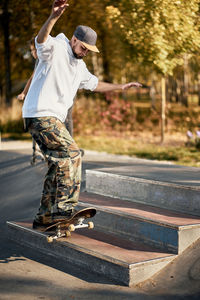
(96, 68)
(152, 93)
(167, 88)
(105, 57)
(199, 88)
(185, 82)
(163, 108)
(174, 91)
(5, 25)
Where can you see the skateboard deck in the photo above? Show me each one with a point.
(63, 228)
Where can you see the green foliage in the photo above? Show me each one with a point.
(120, 114)
(134, 37)
(27, 17)
(115, 113)
(160, 31)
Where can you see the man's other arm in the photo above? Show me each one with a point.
(103, 87)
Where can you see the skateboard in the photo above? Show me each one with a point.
(63, 228)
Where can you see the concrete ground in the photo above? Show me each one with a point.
(27, 274)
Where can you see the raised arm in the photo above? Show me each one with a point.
(107, 87)
(58, 9)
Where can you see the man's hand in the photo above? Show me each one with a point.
(131, 84)
(21, 96)
(58, 8)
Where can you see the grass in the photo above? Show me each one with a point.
(179, 154)
(141, 146)
(142, 140)
(17, 136)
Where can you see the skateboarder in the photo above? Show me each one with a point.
(59, 74)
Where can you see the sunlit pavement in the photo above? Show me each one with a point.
(26, 274)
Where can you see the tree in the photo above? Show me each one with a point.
(162, 33)
(5, 22)
(16, 29)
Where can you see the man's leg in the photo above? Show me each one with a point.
(49, 191)
(69, 125)
(64, 162)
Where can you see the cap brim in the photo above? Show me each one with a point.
(90, 47)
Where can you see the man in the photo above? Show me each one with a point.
(59, 74)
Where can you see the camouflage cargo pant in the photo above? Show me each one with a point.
(62, 181)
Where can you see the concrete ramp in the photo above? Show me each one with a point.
(165, 194)
(147, 215)
(123, 261)
(162, 228)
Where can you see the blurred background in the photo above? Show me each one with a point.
(153, 42)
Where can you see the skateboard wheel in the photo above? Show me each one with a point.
(71, 227)
(49, 239)
(90, 225)
(67, 233)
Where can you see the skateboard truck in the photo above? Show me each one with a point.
(64, 228)
(80, 224)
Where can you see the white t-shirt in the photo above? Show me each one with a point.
(56, 80)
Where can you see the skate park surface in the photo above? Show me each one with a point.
(28, 274)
